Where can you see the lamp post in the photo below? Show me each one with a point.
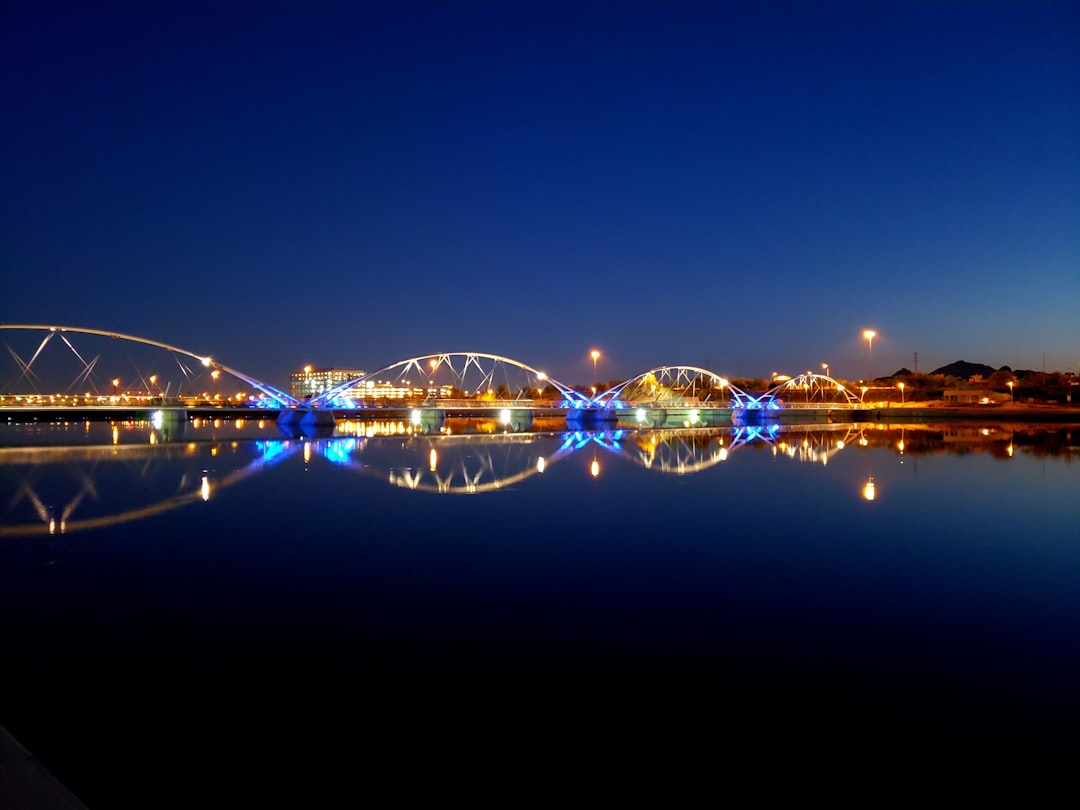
(595, 356)
(214, 375)
(901, 387)
(826, 367)
(869, 334)
(115, 386)
(1010, 383)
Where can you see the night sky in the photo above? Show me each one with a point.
(745, 186)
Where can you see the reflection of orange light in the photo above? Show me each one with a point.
(595, 469)
(869, 491)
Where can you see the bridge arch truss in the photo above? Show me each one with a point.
(444, 377)
(810, 390)
(32, 365)
(667, 386)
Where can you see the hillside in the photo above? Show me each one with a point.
(962, 369)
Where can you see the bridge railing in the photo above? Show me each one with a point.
(820, 406)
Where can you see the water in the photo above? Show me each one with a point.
(213, 607)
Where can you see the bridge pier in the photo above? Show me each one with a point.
(427, 420)
(306, 418)
(589, 418)
(676, 417)
(517, 419)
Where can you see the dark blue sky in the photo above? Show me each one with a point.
(743, 185)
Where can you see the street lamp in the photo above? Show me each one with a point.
(826, 367)
(215, 374)
(901, 387)
(1010, 383)
(869, 334)
(115, 386)
(595, 356)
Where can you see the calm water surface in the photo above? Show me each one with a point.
(219, 607)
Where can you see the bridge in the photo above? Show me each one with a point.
(82, 370)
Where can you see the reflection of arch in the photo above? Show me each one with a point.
(190, 488)
(454, 465)
(811, 390)
(687, 451)
(674, 385)
(441, 376)
(816, 444)
(680, 452)
(26, 370)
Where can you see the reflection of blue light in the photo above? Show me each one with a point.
(337, 451)
(272, 450)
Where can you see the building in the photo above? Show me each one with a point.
(311, 381)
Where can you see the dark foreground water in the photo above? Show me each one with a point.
(219, 616)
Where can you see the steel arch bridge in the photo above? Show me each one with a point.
(437, 379)
(92, 371)
(673, 386)
(443, 380)
(809, 390)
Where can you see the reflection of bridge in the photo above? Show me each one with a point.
(67, 488)
(430, 388)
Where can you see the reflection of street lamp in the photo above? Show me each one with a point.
(1010, 383)
(869, 334)
(901, 387)
(595, 356)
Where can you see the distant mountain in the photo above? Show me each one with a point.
(962, 369)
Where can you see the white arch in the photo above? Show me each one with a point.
(813, 389)
(666, 378)
(208, 362)
(457, 366)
